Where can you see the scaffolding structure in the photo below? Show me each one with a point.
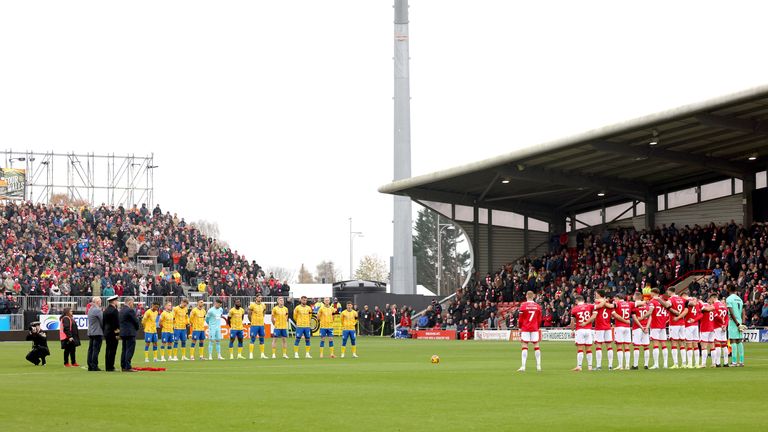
(96, 178)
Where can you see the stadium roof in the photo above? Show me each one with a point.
(632, 160)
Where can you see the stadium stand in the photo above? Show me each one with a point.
(622, 260)
(64, 251)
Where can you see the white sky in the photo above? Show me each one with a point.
(274, 119)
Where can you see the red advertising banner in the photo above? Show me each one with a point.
(434, 334)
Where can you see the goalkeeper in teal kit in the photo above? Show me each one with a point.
(213, 319)
(736, 326)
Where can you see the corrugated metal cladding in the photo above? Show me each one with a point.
(720, 211)
(507, 245)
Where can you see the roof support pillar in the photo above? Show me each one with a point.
(749, 189)
(476, 238)
(651, 207)
(557, 224)
(490, 242)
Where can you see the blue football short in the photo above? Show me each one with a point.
(236, 334)
(280, 333)
(150, 337)
(198, 335)
(257, 331)
(167, 337)
(303, 332)
(326, 332)
(180, 335)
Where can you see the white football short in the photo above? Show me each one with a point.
(531, 337)
(622, 335)
(707, 337)
(692, 334)
(720, 335)
(603, 336)
(659, 334)
(584, 337)
(676, 333)
(640, 338)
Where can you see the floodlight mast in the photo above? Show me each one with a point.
(403, 277)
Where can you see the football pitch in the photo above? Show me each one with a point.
(392, 386)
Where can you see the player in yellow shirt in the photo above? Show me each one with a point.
(256, 312)
(149, 321)
(280, 326)
(325, 316)
(180, 322)
(302, 314)
(235, 321)
(197, 323)
(166, 331)
(348, 329)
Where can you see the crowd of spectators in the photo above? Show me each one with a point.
(66, 251)
(624, 261)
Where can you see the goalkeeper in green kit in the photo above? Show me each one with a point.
(736, 326)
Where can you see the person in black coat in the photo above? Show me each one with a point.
(39, 344)
(129, 326)
(69, 337)
(111, 332)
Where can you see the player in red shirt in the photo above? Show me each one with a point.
(529, 320)
(583, 317)
(659, 309)
(621, 318)
(707, 330)
(603, 335)
(721, 341)
(692, 338)
(640, 318)
(677, 326)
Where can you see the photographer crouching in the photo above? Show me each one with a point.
(39, 345)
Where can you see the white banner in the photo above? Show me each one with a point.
(493, 335)
(51, 322)
(752, 335)
(556, 335)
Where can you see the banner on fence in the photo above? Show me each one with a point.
(434, 334)
(493, 335)
(556, 335)
(764, 335)
(12, 183)
(752, 335)
(51, 322)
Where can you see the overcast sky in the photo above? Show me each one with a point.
(274, 119)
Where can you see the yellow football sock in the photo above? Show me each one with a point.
(343, 350)
(307, 350)
(261, 348)
(154, 354)
(354, 350)
(321, 351)
(250, 348)
(231, 352)
(285, 351)
(239, 350)
(295, 349)
(274, 350)
(175, 352)
(201, 351)
(146, 355)
(331, 350)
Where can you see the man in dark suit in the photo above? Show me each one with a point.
(129, 326)
(111, 332)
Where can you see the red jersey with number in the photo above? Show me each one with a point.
(659, 315)
(603, 319)
(529, 317)
(641, 312)
(707, 323)
(721, 314)
(693, 316)
(624, 310)
(582, 313)
(678, 304)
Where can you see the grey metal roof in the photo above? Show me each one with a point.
(697, 143)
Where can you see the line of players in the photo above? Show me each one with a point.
(174, 324)
(692, 322)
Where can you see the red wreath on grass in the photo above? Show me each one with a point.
(149, 369)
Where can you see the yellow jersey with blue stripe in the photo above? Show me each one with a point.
(302, 314)
(197, 319)
(256, 314)
(166, 322)
(348, 320)
(150, 321)
(180, 318)
(236, 318)
(280, 317)
(325, 316)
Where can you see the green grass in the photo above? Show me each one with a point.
(392, 386)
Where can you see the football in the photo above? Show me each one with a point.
(435, 359)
